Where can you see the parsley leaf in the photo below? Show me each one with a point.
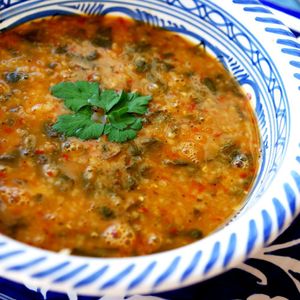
(107, 100)
(76, 94)
(137, 125)
(120, 136)
(137, 104)
(79, 125)
(91, 131)
(120, 120)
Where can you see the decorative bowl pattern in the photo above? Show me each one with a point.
(265, 58)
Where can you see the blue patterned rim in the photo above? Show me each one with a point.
(264, 56)
(289, 7)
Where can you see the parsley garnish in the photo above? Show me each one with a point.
(120, 119)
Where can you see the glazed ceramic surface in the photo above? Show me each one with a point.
(265, 58)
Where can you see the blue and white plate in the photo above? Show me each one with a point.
(264, 56)
(288, 11)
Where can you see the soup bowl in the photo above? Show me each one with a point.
(263, 55)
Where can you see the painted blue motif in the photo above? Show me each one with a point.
(267, 221)
(168, 272)
(117, 278)
(9, 3)
(230, 250)
(213, 258)
(91, 278)
(136, 281)
(26, 265)
(189, 270)
(261, 276)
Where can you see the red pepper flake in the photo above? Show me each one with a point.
(173, 155)
(90, 77)
(225, 189)
(49, 173)
(221, 98)
(217, 133)
(143, 209)
(173, 231)
(127, 161)
(65, 156)
(20, 122)
(195, 129)
(2, 174)
(192, 106)
(8, 130)
(243, 175)
(198, 186)
(39, 151)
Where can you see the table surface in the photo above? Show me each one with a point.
(274, 273)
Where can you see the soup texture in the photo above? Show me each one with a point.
(189, 168)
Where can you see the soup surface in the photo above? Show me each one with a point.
(188, 170)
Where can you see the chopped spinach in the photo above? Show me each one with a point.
(103, 38)
(168, 55)
(16, 76)
(50, 131)
(230, 152)
(10, 159)
(210, 84)
(134, 150)
(167, 66)
(107, 213)
(195, 234)
(131, 183)
(63, 183)
(38, 197)
(61, 50)
(142, 46)
(141, 65)
(92, 56)
(31, 36)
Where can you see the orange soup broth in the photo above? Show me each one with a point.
(187, 172)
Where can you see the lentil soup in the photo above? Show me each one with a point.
(188, 170)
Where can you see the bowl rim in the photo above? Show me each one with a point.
(211, 253)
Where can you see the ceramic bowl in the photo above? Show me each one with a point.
(264, 57)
